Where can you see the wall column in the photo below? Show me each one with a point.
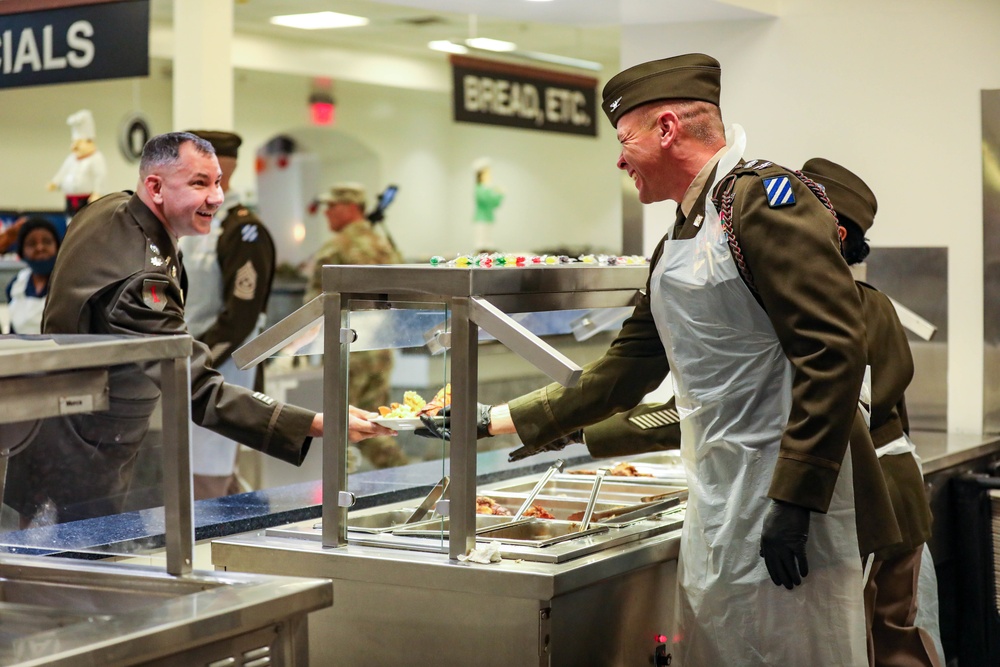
(203, 65)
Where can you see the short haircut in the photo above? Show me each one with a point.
(855, 247)
(164, 149)
(701, 121)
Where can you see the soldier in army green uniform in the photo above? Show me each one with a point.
(890, 594)
(891, 590)
(119, 272)
(355, 241)
(229, 271)
(755, 312)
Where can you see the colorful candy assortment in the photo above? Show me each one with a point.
(496, 259)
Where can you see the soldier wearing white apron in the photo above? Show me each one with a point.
(758, 319)
(229, 272)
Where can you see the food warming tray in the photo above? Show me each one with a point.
(614, 490)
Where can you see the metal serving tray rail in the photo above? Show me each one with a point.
(540, 540)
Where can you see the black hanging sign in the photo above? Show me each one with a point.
(495, 93)
(82, 43)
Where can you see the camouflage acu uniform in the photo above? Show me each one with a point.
(368, 383)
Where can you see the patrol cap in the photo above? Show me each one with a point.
(226, 144)
(350, 193)
(693, 76)
(851, 197)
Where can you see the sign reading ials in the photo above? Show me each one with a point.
(496, 93)
(89, 41)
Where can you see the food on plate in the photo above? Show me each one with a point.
(441, 399)
(413, 405)
(623, 469)
(486, 505)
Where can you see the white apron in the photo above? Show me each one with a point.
(733, 387)
(211, 453)
(25, 311)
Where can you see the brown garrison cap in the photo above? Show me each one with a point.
(693, 76)
(851, 197)
(226, 144)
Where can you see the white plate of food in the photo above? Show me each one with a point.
(404, 423)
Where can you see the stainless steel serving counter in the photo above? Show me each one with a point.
(62, 613)
(74, 613)
(940, 451)
(599, 598)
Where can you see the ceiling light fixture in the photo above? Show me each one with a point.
(319, 21)
(448, 46)
(487, 44)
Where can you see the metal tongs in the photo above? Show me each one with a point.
(589, 513)
(557, 466)
(429, 501)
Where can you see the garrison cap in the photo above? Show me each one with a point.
(226, 144)
(851, 197)
(693, 76)
(350, 193)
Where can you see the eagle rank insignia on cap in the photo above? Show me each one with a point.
(779, 191)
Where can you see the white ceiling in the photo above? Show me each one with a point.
(587, 29)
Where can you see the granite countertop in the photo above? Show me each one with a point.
(141, 531)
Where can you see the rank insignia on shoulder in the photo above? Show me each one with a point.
(779, 191)
(263, 398)
(249, 233)
(154, 294)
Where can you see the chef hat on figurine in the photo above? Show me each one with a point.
(82, 125)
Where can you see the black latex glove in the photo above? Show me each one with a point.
(442, 431)
(524, 451)
(783, 543)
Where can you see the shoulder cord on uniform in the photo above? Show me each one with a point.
(723, 198)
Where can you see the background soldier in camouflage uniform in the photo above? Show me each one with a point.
(355, 241)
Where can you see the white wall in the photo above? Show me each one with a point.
(890, 89)
(559, 189)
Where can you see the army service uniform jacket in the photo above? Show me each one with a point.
(804, 285)
(892, 370)
(118, 273)
(246, 257)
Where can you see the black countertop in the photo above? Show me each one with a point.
(141, 531)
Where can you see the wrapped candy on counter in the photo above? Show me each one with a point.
(504, 260)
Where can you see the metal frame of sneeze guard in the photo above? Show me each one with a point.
(58, 367)
(476, 297)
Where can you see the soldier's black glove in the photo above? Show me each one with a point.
(783, 543)
(442, 430)
(524, 451)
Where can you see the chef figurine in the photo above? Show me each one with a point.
(488, 198)
(82, 173)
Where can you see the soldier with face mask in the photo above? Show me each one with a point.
(37, 245)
